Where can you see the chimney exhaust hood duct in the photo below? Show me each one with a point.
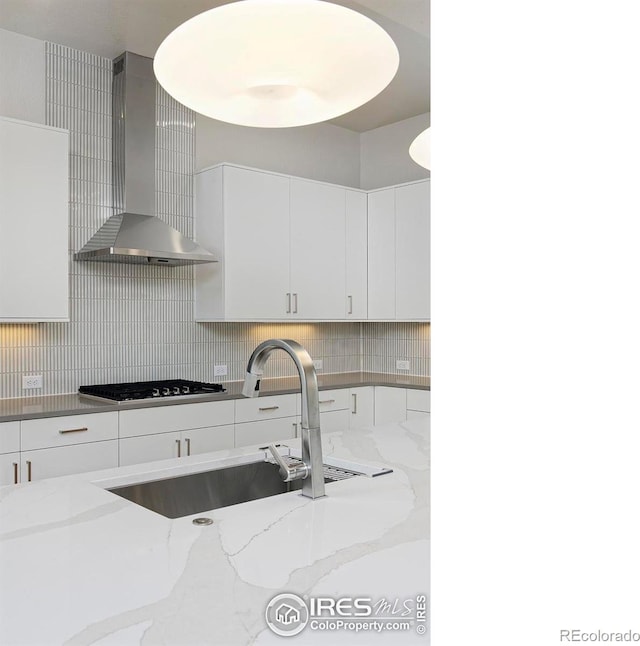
(133, 236)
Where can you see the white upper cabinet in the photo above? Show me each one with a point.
(242, 217)
(318, 256)
(382, 254)
(34, 222)
(356, 254)
(287, 247)
(413, 255)
(399, 253)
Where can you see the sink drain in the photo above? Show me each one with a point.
(202, 521)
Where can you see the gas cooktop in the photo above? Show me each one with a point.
(169, 388)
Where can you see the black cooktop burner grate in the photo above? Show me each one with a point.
(150, 389)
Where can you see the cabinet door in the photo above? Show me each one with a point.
(9, 437)
(9, 469)
(256, 221)
(356, 254)
(66, 460)
(419, 400)
(382, 255)
(318, 265)
(148, 448)
(34, 222)
(412, 251)
(390, 405)
(362, 409)
(204, 440)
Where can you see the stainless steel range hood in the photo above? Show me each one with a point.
(133, 236)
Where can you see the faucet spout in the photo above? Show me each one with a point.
(313, 476)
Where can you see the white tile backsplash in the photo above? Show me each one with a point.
(130, 322)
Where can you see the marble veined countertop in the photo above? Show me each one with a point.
(80, 565)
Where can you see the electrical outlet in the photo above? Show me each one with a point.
(317, 364)
(220, 371)
(32, 382)
(403, 364)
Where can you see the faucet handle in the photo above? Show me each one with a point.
(288, 473)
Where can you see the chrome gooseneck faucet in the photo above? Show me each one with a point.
(312, 472)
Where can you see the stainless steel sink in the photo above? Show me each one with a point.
(204, 491)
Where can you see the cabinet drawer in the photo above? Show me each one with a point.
(259, 408)
(418, 400)
(178, 417)
(9, 437)
(67, 460)
(265, 432)
(63, 431)
(334, 399)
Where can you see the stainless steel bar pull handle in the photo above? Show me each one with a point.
(350, 304)
(288, 303)
(179, 451)
(354, 409)
(295, 429)
(267, 408)
(28, 470)
(188, 441)
(295, 303)
(73, 430)
(15, 473)
(327, 401)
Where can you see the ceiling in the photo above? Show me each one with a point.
(109, 27)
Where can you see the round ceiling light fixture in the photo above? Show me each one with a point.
(420, 149)
(276, 63)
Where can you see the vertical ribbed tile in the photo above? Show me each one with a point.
(130, 322)
(384, 343)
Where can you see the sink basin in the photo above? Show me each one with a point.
(207, 490)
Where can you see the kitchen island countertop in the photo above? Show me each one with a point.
(80, 565)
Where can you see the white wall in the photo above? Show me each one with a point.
(322, 151)
(22, 77)
(384, 153)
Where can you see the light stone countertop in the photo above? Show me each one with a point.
(58, 405)
(80, 565)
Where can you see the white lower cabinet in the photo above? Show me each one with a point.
(334, 410)
(9, 468)
(164, 432)
(176, 444)
(66, 460)
(418, 404)
(49, 447)
(390, 405)
(148, 448)
(362, 407)
(60, 446)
